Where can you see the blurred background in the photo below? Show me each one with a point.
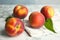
(27, 2)
(7, 9)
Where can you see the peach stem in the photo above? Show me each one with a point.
(27, 32)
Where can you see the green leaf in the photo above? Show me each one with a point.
(8, 18)
(49, 25)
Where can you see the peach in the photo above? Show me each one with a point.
(14, 26)
(36, 19)
(47, 11)
(20, 11)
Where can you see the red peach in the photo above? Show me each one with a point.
(14, 26)
(20, 11)
(36, 19)
(47, 11)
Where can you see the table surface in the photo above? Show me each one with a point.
(42, 34)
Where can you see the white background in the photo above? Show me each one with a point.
(37, 34)
(57, 2)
